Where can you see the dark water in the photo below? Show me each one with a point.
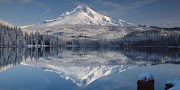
(85, 68)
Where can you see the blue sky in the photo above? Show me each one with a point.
(163, 13)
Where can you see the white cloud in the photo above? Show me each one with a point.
(142, 3)
(47, 10)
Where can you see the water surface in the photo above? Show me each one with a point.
(86, 67)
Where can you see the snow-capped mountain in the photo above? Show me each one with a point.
(85, 15)
(83, 23)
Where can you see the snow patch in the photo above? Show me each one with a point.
(175, 83)
(146, 76)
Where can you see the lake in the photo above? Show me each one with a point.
(86, 68)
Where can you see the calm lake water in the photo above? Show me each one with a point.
(85, 68)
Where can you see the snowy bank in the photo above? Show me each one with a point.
(173, 85)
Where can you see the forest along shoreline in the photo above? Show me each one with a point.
(12, 36)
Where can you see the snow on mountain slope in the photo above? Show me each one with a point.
(84, 23)
(91, 32)
(84, 15)
(5, 23)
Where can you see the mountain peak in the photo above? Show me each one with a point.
(82, 14)
(82, 6)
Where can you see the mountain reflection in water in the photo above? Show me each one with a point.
(84, 65)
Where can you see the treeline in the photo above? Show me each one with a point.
(11, 36)
(97, 42)
(14, 56)
(43, 39)
(136, 38)
(151, 38)
(155, 37)
(14, 36)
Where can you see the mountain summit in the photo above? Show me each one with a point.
(85, 15)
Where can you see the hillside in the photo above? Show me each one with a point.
(91, 32)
